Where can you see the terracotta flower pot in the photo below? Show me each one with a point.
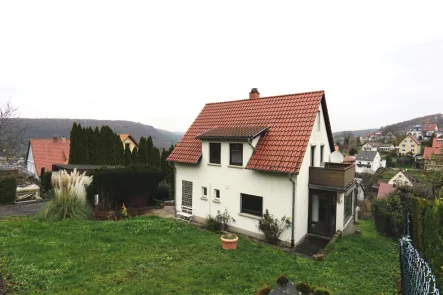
(229, 243)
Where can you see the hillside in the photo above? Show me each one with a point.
(406, 125)
(47, 128)
(360, 132)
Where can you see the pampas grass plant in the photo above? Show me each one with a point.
(69, 197)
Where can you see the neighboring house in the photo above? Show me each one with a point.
(368, 162)
(429, 130)
(429, 152)
(439, 132)
(366, 137)
(402, 179)
(377, 146)
(128, 140)
(409, 144)
(384, 189)
(416, 132)
(257, 154)
(44, 152)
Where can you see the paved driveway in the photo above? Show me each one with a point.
(23, 209)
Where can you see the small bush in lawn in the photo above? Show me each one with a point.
(220, 222)
(304, 288)
(265, 290)
(322, 291)
(282, 280)
(272, 227)
(69, 199)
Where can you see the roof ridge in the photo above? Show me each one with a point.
(273, 96)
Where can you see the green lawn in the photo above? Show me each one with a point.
(150, 255)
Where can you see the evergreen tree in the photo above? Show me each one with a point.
(150, 145)
(97, 153)
(82, 142)
(143, 151)
(91, 146)
(156, 157)
(134, 156)
(107, 145)
(163, 162)
(73, 151)
(119, 151)
(128, 156)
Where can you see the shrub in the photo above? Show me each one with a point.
(8, 189)
(46, 181)
(304, 288)
(69, 197)
(220, 222)
(365, 209)
(135, 186)
(265, 290)
(272, 228)
(164, 191)
(322, 291)
(282, 280)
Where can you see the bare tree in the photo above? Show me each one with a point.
(11, 131)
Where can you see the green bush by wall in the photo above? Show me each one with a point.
(8, 189)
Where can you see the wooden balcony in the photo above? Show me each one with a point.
(332, 175)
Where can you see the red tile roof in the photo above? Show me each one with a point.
(384, 189)
(232, 132)
(414, 139)
(429, 151)
(430, 127)
(290, 119)
(48, 151)
(436, 143)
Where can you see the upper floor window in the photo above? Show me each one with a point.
(214, 153)
(313, 156)
(127, 146)
(318, 121)
(236, 154)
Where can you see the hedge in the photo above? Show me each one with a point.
(427, 234)
(8, 189)
(135, 187)
(46, 181)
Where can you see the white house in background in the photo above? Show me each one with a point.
(377, 146)
(402, 179)
(261, 153)
(429, 130)
(368, 162)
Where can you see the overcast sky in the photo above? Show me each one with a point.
(159, 62)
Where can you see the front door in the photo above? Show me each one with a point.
(322, 213)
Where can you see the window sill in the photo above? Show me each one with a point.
(216, 201)
(204, 198)
(250, 216)
(214, 164)
(235, 166)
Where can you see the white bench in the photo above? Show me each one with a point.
(185, 214)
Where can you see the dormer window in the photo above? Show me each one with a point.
(236, 154)
(214, 153)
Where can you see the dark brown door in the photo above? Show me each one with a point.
(322, 213)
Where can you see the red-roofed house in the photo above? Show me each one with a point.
(43, 152)
(128, 140)
(410, 144)
(265, 153)
(429, 130)
(384, 189)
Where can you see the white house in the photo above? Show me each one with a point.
(368, 162)
(254, 154)
(402, 179)
(378, 146)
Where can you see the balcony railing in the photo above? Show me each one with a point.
(332, 175)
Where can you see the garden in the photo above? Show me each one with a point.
(63, 250)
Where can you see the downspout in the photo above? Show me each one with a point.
(175, 191)
(293, 209)
(250, 144)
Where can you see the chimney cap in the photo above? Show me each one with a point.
(254, 90)
(254, 93)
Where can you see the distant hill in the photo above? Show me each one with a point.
(355, 132)
(406, 125)
(47, 128)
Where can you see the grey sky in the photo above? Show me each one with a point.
(159, 62)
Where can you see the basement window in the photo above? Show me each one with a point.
(214, 153)
(251, 204)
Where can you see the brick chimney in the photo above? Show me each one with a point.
(254, 93)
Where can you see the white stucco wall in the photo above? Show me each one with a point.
(30, 165)
(400, 180)
(375, 164)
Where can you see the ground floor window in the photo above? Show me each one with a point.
(251, 204)
(186, 193)
(348, 206)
